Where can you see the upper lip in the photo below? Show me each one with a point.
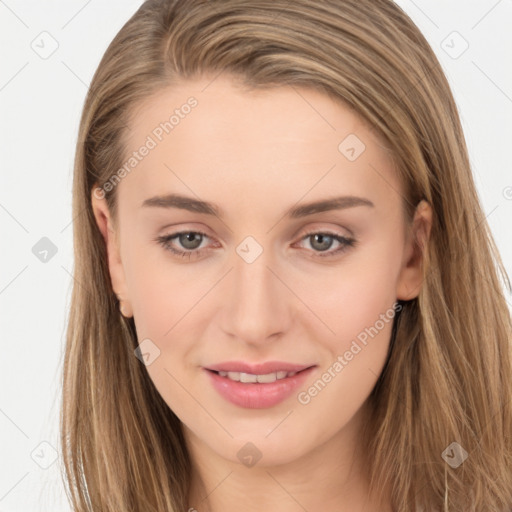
(259, 368)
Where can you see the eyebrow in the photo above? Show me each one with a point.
(295, 212)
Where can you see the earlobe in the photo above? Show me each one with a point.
(115, 266)
(411, 275)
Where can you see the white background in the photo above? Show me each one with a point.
(41, 101)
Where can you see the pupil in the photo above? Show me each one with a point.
(320, 238)
(189, 239)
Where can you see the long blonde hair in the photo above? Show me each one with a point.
(448, 377)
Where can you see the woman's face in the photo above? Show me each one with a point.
(264, 275)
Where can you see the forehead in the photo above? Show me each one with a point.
(210, 135)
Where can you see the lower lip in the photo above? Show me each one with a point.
(258, 395)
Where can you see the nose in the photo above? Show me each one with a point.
(258, 302)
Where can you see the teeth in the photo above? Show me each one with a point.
(250, 378)
(269, 377)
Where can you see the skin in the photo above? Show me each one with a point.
(256, 154)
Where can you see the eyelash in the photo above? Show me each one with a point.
(165, 239)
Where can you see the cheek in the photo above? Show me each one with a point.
(162, 292)
(368, 298)
(358, 307)
(167, 310)
(355, 298)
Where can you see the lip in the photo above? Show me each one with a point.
(258, 395)
(258, 368)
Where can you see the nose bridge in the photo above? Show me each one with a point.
(256, 308)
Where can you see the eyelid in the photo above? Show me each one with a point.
(346, 242)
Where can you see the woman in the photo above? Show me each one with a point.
(286, 293)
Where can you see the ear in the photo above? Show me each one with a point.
(111, 237)
(411, 275)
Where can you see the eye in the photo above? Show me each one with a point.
(322, 241)
(191, 241)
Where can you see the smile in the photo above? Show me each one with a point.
(249, 377)
(257, 391)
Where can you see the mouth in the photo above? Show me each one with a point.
(265, 368)
(251, 378)
(258, 390)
